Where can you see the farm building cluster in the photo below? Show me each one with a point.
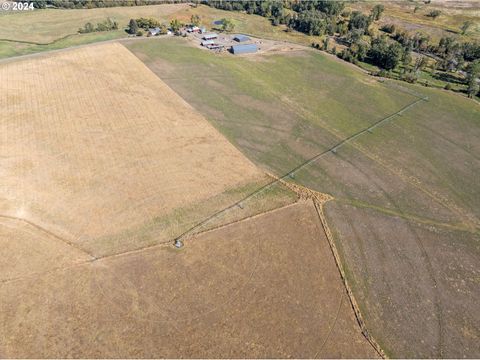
(237, 44)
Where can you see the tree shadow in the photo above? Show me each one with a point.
(447, 77)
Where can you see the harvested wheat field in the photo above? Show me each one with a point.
(98, 151)
(262, 287)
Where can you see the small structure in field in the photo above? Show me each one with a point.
(241, 38)
(244, 49)
(210, 36)
(154, 31)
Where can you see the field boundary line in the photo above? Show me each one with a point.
(356, 308)
(319, 199)
(48, 232)
(40, 44)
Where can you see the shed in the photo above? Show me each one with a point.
(215, 46)
(210, 36)
(244, 48)
(208, 42)
(154, 31)
(241, 38)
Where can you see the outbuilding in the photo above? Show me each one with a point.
(244, 49)
(154, 31)
(241, 38)
(208, 42)
(210, 36)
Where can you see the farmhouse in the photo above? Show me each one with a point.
(241, 38)
(244, 49)
(210, 36)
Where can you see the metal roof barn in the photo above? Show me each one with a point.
(241, 38)
(244, 49)
(210, 36)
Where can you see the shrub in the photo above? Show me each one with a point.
(434, 14)
(388, 28)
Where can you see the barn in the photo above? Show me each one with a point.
(241, 38)
(244, 49)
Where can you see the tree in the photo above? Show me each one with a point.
(227, 25)
(385, 55)
(377, 12)
(420, 63)
(388, 28)
(325, 44)
(473, 71)
(472, 88)
(147, 23)
(39, 4)
(310, 22)
(434, 14)
(175, 25)
(88, 28)
(132, 27)
(333, 8)
(407, 58)
(358, 21)
(466, 26)
(195, 20)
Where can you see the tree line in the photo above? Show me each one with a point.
(106, 25)
(91, 4)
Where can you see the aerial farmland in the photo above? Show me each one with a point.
(160, 198)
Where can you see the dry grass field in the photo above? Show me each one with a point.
(263, 287)
(99, 151)
(43, 26)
